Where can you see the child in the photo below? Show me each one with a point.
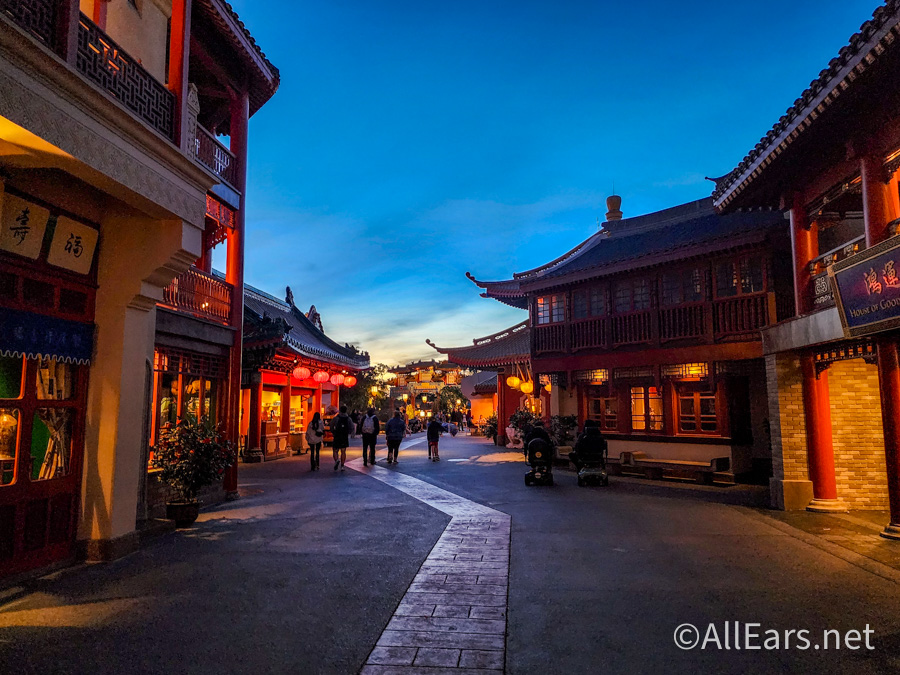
(435, 429)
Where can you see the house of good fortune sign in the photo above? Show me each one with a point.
(867, 289)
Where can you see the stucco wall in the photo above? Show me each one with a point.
(141, 31)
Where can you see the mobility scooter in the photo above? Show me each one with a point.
(540, 458)
(590, 456)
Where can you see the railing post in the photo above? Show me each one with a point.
(68, 14)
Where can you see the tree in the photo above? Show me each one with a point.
(449, 396)
(358, 396)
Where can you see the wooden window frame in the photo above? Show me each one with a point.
(648, 418)
(556, 309)
(737, 263)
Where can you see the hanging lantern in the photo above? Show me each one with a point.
(548, 387)
(321, 376)
(527, 387)
(337, 379)
(513, 382)
(349, 381)
(301, 373)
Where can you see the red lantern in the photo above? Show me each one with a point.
(321, 376)
(337, 379)
(349, 381)
(301, 373)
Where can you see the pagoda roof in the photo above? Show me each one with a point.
(269, 322)
(678, 233)
(876, 38)
(507, 347)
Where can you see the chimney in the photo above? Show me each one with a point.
(613, 202)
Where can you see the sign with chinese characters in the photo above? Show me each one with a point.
(867, 289)
(23, 226)
(33, 335)
(73, 246)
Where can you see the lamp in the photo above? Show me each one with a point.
(527, 387)
(513, 382)
(350, 381)
(405, 397)
(321, 377)
(374, 390)
(337, 379)
(548, 387)
(301, 373)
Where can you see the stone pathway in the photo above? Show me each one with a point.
(453, 616)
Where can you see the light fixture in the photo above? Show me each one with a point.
(405, 397)
(337, 379)
(513, 382)
(527, 387)
(321, 376)
(350, 381)
(548, 387)
(301, 373)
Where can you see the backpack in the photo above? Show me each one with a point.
(341, 423)
(368, 425)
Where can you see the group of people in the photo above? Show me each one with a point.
(590, 442)
(343, 427)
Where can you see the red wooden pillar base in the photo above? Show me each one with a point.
(889, 384)
(819, 443)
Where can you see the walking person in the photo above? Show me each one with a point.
(435, 429)
(394, 432)
(315, 434)
(340, 429)
(354, 418)
(369, 426)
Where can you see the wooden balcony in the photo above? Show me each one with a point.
(723, 320)
(200, 294)
(38, 17)
(215, 156)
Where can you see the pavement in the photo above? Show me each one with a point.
(309, 572)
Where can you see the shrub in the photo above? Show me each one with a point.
(190, 456)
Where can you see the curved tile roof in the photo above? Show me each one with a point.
(507, 347)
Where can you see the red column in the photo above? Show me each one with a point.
(317, 399)
(99, 17)
(285, 425)
(68, 15)
(875, 202)
(819, 444)
(234, 275)
(179, 55)
(255, 421)
(805, 247)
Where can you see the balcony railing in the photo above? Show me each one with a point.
(101, 60)
(820, 287)
(38, 17)
(740, 317)
(215, 156)
(201, 294)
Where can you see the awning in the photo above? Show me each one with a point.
(36, 336)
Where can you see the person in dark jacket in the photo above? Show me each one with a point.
(590, 446)
(536, 430)
(435, 429)
(369, 426)
(340, 429)
(394, 432)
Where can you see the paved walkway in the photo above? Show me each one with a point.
(453, 616)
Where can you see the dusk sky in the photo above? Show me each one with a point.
(411, 142)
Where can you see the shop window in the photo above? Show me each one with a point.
(9, 441)
(598, 302)
(744, 275)
(11, 376)
(551, 309)
(646, 409)
(210, 399)
(168, 400)
(697, 413)
(606, 411)
(632, 296)
(579, 305)
(51, 443)
(190, 398)
(55, 380)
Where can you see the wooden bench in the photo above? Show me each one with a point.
(704, 472)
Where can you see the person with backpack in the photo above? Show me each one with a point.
(394, 432)
(435, 429)
(370, 427)
(340, 429)
(355, 421)
(315, 434)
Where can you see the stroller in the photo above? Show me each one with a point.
(591, 458)
(540, 458)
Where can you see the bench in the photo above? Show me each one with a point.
(703, 471)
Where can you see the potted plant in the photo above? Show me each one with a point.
(190, 455)
(490, 428)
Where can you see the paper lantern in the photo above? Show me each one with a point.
(301, 373)
(513, 381)
(337, 379)
(527, 387)
(321, 376)
(349, 381)
(548, 387)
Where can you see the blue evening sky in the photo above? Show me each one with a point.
(413, 141)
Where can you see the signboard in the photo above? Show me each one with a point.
(33, 335)
(22, 226)
(867, 289)
(73, 246)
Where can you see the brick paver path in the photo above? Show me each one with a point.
(453, 616)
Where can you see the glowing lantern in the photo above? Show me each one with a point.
(527, 387)
(548, 387)
(337, 379)
(349, 381)
(301, 373)
(513, 382)
(321, 376)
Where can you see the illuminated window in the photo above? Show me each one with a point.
(551, 309)
(646, 409)
(606, 411)
(697, 413)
